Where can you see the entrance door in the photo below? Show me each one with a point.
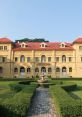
(43, 70)
(22, 71)
(64, 71)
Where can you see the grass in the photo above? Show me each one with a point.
(78, 92)
(5, 91)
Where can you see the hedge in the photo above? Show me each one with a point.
(19, 104)
(69, 107)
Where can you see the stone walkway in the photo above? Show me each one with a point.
(41, 105)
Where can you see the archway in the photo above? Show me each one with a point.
(22, 70)
(64, 71)
(28, 70)
(43, 70)
(15, 70)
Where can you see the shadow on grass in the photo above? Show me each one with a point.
(4, 112)
(79, 88)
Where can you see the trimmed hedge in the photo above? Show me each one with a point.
(69, 107)
(17, 79)
(69, 86)
(18, 105)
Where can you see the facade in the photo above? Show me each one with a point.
(27, 59)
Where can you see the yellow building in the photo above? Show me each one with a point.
(27, 59)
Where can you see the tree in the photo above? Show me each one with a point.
(32, 40)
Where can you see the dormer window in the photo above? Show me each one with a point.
(43, 45)
(63, 45)
(23, 45)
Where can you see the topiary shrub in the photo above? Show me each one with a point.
(69, 107)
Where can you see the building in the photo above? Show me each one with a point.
(27, 59)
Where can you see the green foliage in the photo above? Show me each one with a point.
(16, 79)
(69, 107)
(16, 87)
(32, 40)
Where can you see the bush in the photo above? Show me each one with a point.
(69, 86)
(25, 82)
(69, 107)
(18, 105)
(16, 87)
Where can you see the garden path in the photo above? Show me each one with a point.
(41, 105)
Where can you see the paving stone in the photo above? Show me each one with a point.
(41, 105)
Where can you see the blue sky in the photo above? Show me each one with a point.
(54, 20)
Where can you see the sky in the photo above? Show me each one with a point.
(54, 20)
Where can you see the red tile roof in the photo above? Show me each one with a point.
(78, 40)
(5, 40)
(50, 46)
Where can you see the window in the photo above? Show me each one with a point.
(15, 70)
(3, 59)
(64, 69)
(70, 59)
(36, 69)
(1, 70)
(28, 70)
(22, 70)
(22, 58)
(49, 69)
(16, 59)
(63, 58)
(57, 69)
(81, 59)
(37, 59)
(43, 69)
(62, 45)
(28, 59)
(5, 47)
(80, 47)
(43, 45)
(49, 59)
(23, 45)
(0, 59)
(1, 47)
(70, 69)
(43, 58)
(26, 45)
(57, 59)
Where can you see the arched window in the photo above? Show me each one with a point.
(64, 69)
(57, 69)
(36, 69)
(22, 58)
(43, 69)
(49, 69)
(15, 70)
(63, 58)
(43, 58)
(22, 70)
(1, 70)
(28, 70)
(70, 69)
